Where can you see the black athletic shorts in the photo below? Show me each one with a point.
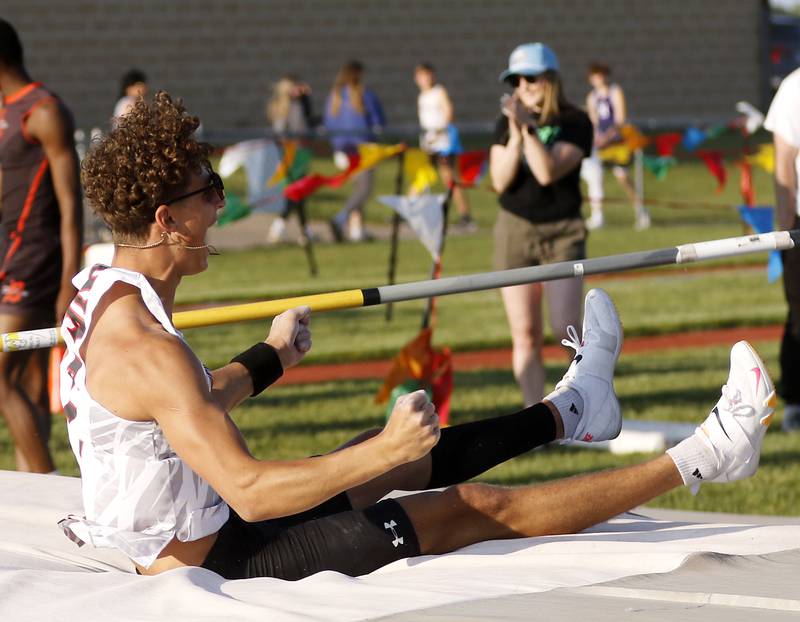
(30, 277)
(331, 536)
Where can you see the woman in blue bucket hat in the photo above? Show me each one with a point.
(539, 142)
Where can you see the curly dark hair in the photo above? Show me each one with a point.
(144, 161)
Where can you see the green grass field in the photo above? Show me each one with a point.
(681, 386)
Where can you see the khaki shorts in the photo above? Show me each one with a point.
(519, 243)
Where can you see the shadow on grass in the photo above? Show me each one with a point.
(780, 457)
(690, 397)
(292, 395)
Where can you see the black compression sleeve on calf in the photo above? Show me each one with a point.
(469, 449)
(263, 364)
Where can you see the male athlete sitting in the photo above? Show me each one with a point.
(167, 476)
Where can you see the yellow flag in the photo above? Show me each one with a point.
(618, 154)
(289, 152)
(764, 157)
(419, 170)
(370, 154)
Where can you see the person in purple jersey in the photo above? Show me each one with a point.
(606, 107)
(40, 241)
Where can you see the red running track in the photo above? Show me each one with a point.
(501, 358)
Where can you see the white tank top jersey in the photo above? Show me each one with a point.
(432, 109)
(783, 117)
(137, 492)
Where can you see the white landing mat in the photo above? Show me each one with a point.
(45, 576)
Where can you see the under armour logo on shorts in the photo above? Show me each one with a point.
(391, 526)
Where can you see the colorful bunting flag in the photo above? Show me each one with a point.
(746, 182)
(761, 219)
(289, 151)
(658, 165)
(764, 157)
(235, 209)
(693, 137)
(425, 216)
(633, 138)
(713, 161)
(420, 362)
(260, 160)
(666, 143)
(715, 131)
(368, 155)
(295, 163)
(472, 167)
(753, 117)
(619, 153)
(418, 168)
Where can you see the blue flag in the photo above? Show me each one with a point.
(693, 137)
(761, 220)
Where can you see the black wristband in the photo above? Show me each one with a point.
(262, 363)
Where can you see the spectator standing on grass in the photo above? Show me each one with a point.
(606, 107)
(539, 142)
(783, 120)
(40, 241)
(290, 114)
(353, 115)
(133, 86)
(439, 137)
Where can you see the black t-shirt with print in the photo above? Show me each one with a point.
(525, 196)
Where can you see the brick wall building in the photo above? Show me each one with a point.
(678, 60)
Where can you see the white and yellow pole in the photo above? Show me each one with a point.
(353, 298)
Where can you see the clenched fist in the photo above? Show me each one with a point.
(290, 335)
(413, 428)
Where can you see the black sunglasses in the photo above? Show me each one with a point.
(214, 182)
(531, 79)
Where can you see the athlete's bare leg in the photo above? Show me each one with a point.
(468, 513)
(447, 174)
(564, 297)
(523, 305)
(27, 415)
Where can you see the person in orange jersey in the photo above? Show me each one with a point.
(40, 241)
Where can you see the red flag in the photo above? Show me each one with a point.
(369, 153)
(713, 160)
(666, 143)
(302, 188)
(746, 183)
(442, 383)
(472, 167)
(418, 360)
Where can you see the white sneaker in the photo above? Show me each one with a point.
(276, 230)
(595, 221)
(736, 426)
(591, 373)
(642, 220)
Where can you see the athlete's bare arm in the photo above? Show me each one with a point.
(620, 110)
(140, 372)
(785, 182)
(591, 110)
(448, 105)
(50, 124)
